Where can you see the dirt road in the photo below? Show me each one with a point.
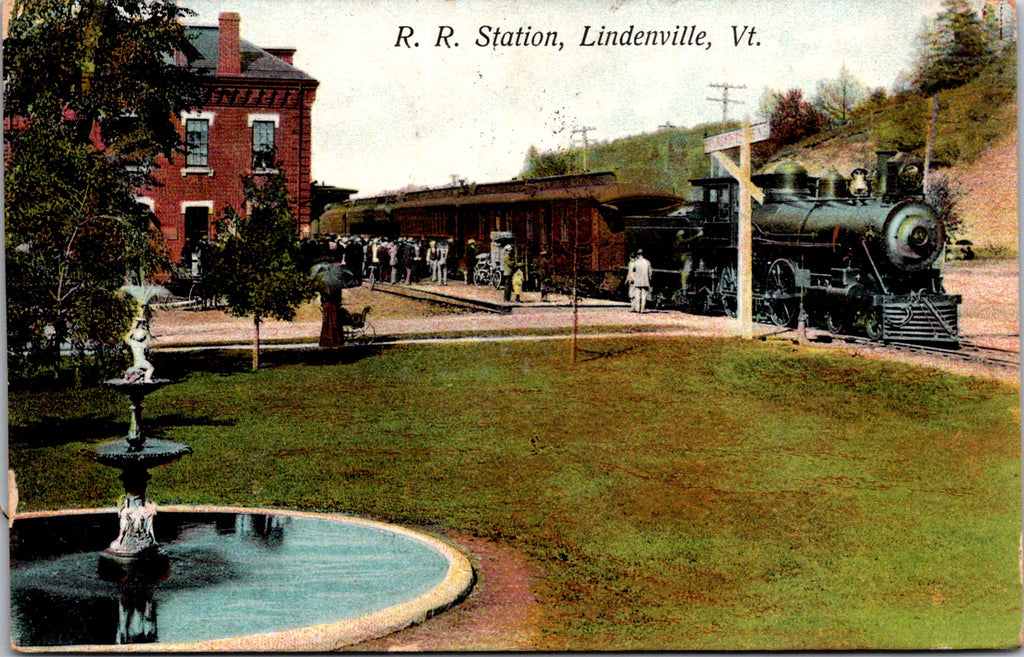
(988, 317)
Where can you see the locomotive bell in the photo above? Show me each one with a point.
(859, 185)
(832, 185)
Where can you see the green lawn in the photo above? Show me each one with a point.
(675, 494)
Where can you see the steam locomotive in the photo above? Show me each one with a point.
(854, 255)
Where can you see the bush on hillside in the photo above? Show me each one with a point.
(944, 195)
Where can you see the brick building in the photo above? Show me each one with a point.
(257, 113)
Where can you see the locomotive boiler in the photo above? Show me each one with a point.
(854, 254)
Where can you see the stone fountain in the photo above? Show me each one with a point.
(135, 555)
(241, 580)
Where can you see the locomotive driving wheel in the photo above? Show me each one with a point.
(873, 324)
(781, 296)
(835, 320)
(725, 289)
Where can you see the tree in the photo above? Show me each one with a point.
(91, 86)
(951, 52)
(835, 99)
(944, 195)
(550, 163)
(767, 102)
(792, 118)
(255, 262)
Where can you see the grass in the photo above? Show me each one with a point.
(676, 494)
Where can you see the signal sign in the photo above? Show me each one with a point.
(734, 138)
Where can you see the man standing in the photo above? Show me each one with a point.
(544, 274)
(354, 258)
(434, 262)
(442, 260)
(507, 266)
(642, 280)
(470, 259)
(630, 284)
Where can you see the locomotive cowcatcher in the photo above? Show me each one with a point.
(855, 255)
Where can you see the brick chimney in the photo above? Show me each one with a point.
(229, 54)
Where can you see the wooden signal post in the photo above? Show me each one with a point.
(747, 190)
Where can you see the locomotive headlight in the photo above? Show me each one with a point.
(915, 234)
(918, 236)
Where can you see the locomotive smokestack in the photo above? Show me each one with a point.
(882, 186)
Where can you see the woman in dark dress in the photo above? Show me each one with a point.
(332, 335)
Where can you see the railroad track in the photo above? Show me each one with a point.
(967, 352)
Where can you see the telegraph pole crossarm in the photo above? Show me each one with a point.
(725, 87)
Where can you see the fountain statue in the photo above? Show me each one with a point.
(138, 342)
(135, 553)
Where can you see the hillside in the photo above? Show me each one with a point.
(989, 205)
(975, 144)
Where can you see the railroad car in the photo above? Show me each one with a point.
(576, 219)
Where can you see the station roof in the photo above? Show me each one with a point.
(256, 62)
(600, 188)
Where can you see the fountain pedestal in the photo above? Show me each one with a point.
(135, 554)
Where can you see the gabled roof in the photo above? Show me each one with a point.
(256, 62)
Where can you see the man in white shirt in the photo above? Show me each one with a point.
(641, 280)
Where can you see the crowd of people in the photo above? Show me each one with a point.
(400, 260)
(411, 260)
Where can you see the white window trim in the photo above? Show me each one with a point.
(196, 171)
(148, 202)
(197, 204)
(185, 116)
(253, 118)
(208, 117)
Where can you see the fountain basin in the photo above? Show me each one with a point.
(154, 452)
(240, 580)
(136, 388)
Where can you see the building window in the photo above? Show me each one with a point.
(262, 145)
(197, 142)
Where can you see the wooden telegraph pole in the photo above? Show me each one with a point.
(725, 100)
(586, 145)
(714, 145)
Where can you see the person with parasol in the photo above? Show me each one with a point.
(331, 278)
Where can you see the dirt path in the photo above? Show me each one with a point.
(500, 614)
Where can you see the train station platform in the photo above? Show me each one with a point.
(489, 299)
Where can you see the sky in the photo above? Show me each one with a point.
(389, 114)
